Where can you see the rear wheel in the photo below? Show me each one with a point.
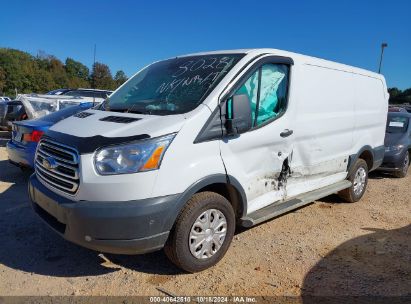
(359, 179)
(202, 233)
(405, 166)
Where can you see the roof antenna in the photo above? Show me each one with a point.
(93, 82)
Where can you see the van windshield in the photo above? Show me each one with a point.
(172, 86)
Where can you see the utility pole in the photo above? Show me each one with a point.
(383, 45)
(94, 84)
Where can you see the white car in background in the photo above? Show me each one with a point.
(39, 105)
(93, 95)
(4, 98)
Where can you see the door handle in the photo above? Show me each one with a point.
(286, 133)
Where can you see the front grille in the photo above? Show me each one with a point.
(57, 165)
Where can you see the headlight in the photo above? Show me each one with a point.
(135, 157)
(394, 148)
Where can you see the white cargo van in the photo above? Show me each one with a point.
(192, 146)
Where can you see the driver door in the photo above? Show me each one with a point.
(258, 158)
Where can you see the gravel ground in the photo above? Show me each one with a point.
(327, 248)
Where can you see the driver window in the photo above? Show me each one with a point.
(250, 88)
(273, 92)
(267, 91)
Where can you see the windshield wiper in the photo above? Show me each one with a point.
(163, 112)
(102, 106)
(132, 110)
(126, 110)
(137, 111)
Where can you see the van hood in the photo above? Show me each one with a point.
(113, 124)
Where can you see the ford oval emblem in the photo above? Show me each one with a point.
(49, 163)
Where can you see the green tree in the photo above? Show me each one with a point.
(120, 78)
(50, 73)
(43, 81)
(76, 69)
(399, 97)
(2, 81)
(394, 92)
(77, 73)
(18, 68)
(43, 72)
(58, 72)
(407, 92)
(101, 77)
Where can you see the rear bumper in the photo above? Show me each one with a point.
(19, 155)
(131, 227)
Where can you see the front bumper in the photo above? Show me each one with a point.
(21, 156)
(131, 227)
(393, 162)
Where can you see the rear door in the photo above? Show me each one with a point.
(258, 159)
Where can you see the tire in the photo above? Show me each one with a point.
(180, 245)
(405, 166)
(359, 178)
(27, 170)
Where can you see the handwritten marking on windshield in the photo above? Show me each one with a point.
(203, 64)
(184, 76)
(171, 86)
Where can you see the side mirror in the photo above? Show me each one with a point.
(238, 111)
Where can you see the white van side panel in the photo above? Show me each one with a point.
(371, 108)
(255, 159)
(323, 128)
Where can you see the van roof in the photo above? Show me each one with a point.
(295, 56)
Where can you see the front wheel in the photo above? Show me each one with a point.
(202, 233)
(405, 165)
(359, 179)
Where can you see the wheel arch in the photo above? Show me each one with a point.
(372, 156)
(223, 184)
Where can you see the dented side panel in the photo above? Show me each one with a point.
(308, 178)
(324, 128)
(256, 159)
(332, 112)
(320, 113)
